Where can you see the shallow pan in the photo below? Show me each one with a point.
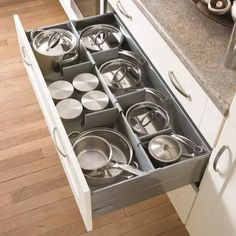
(122, 152)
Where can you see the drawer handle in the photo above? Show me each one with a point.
(24, 56)
(218, 155)
(55, 142)
(178, 86)
(122, 10)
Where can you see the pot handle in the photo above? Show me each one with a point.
(32, 33)
(136, 58)
(76, 134)
(156, 93)
(97, 35)
(53, 40)
(196, 149)
(115, 75)
(142, 123)
(127, 168)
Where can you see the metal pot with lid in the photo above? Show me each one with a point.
(120, 74)
(101, 37)
(167, 149)
(54, 48)
(164, 150)
(147, 118)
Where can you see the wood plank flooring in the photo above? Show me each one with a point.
(35, 198)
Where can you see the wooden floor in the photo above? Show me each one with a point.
(35, 198)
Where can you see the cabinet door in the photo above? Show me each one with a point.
(71, 166)
(214, 213)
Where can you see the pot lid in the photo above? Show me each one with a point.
(101, 37)
(54, 42)
(61, 89)
(85, 82)
(69, 108)
(121, 74)
(165, 148)
(147, 118)
(95, 100)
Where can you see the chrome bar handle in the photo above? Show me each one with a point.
(218, 155)
(24, 56)
(177, 85)
(56, 145)
(122, 10)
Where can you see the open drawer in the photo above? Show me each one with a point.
(97, 200)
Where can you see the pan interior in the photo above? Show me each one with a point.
(92, 159)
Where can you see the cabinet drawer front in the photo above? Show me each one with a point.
(72, 169)
(163, 58)
(214, 210)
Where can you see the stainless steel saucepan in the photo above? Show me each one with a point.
(54, 48)
(147, 118)
(101, 37)
(167, 149)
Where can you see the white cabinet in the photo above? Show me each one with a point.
(214, 213)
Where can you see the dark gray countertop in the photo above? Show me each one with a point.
(199, 42)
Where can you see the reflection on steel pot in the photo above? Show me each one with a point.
(121, 74)
(69, 109)
(101, 37)
(92, 152)
(164, 150)
(195, 149)
(147, 118)
(54, 48)
(95, 100)
(85, 82)
(61, 89)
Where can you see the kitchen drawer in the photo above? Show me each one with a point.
(98, 200)
(180, 81)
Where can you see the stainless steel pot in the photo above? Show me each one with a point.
(101, 37)
(147, 118)
(164, 150)
(120, 74)
(167, 149)
(54, 48)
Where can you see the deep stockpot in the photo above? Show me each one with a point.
(54, 48)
